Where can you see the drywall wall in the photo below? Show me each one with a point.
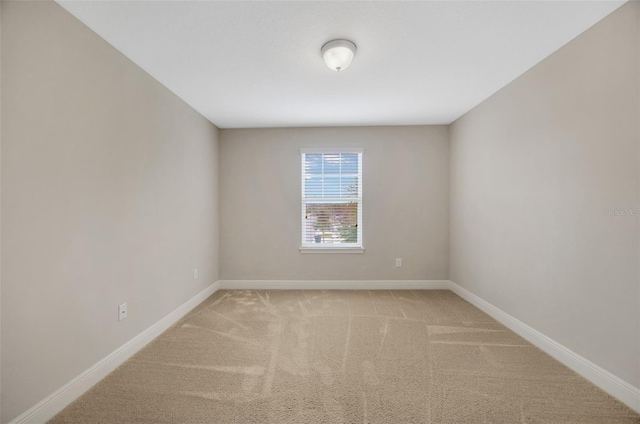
(405, 204)
(109, 195)
(545, 194)
(0, 209)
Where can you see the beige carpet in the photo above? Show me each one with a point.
(342, 357)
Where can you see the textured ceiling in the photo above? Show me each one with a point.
(258, 64)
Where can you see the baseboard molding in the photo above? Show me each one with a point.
(334, 284)
(54, 403)
(615, 386)
(58, 400)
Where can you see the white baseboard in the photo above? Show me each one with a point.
(58, 400)
(54, 403)
(615, 386)
(334, 284)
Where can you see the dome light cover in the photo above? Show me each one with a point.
(338, 54)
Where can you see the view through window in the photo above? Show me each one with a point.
(331, 199)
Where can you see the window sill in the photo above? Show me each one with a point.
(309, 249)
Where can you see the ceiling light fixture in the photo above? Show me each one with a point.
(338, 54)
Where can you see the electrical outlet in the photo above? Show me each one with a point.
(122, 312)
(195, 273)
(398, 262)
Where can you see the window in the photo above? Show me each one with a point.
(332, 200)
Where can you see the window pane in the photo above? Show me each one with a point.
(349, 163)
(313, 186)
(349, 187)
(331, 186)
(313, 164)
(331, 223)
(331, 163)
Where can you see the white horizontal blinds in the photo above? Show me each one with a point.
(332, 199)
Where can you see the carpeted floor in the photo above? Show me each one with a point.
(342, 357)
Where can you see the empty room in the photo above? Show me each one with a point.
(245, 212)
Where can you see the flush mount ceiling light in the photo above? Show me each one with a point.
(338, 54)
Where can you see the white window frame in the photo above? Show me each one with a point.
(331, 248)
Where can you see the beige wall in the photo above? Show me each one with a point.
(1, 6)
(533, 169)
(110, 195)
(405, 204)
(109, 186)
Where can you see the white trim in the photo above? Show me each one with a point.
(47, 408)
(54, 403)
(334, 249)
(615, 386)
(332, 150)
(334, 284)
